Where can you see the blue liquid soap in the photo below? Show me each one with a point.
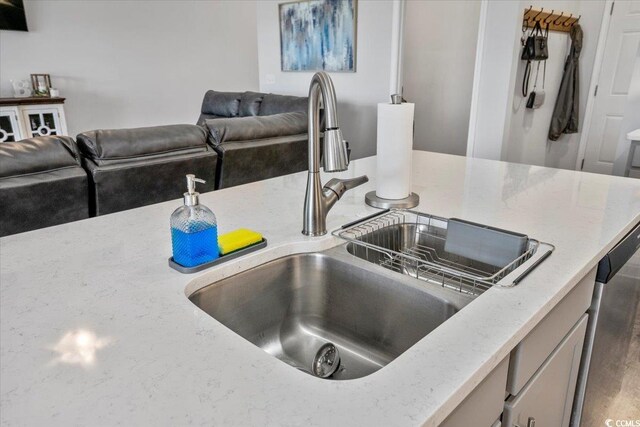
(194, 230)
(191, 249)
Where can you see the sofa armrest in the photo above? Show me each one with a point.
(256, 127)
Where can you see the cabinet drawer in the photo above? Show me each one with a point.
(484, 404)
(548, 397)
(527, 357)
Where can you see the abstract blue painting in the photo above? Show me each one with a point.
(318, 35)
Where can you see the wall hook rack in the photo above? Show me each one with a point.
(552, 19)
(548, 19)
(535, 18)
(564, 24)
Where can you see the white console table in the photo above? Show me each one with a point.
(22, 118)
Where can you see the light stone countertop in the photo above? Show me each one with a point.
(96, 329)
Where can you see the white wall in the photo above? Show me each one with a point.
(438, 71)
(133, 63)
(358, 93)
(526, 140)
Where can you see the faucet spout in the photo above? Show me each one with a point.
(318, 201)
(334, 156)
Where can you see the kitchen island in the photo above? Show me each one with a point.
(96, 329)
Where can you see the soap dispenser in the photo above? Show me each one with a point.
(194, 230)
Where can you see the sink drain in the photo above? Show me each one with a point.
(327, 361)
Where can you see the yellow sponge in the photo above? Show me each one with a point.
(237, 239)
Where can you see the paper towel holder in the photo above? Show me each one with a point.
(378, 202)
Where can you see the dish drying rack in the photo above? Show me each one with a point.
(412, 243)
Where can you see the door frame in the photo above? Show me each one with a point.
(595, 76)
(473, 113)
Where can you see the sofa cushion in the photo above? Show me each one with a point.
(250, 103)
(225, 104)
(257, 127)
(249, 161)
(39, 154)
(276, 104)
(116, 145)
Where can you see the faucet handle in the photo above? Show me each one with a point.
(354, 182)
(340, 186)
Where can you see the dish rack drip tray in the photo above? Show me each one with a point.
(456, 254)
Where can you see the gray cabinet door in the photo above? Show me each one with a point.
(484, 404)
(547, 398)
(528, 356)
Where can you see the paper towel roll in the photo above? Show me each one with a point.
(395, 145)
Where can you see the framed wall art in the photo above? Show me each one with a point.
(318, 35)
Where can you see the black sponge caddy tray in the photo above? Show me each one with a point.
(219, 260)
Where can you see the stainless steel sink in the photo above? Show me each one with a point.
(312, 309)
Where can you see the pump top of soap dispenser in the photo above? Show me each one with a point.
(191, 196)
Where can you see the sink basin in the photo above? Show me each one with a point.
(295, 306)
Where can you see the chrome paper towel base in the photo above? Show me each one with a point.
(378, 202)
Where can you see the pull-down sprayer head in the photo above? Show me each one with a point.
(334, 158)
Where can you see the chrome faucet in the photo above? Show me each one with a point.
(318, 199)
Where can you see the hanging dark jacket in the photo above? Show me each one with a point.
(565, 112)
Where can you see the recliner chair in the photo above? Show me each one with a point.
(41, 184)
(130, 168)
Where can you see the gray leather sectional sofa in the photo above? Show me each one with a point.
(256, 135)
(240, 138)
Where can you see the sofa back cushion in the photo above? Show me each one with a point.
(120, 145)
(223, 104)
(277, 104)
(250, 104)
(257, 127)
(39, 154)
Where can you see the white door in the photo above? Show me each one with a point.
(620, 50)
